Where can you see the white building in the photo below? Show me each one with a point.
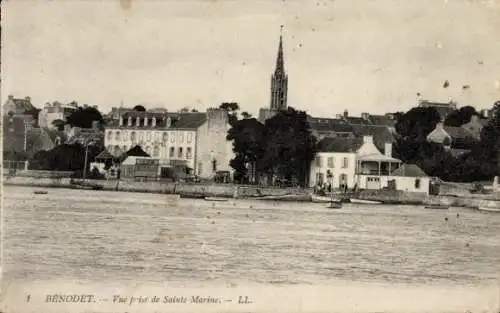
(353, 162)
(335, 162)
(195, 140)
(54, 111)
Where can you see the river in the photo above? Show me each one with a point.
(109, 238)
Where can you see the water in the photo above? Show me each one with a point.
(105, 237)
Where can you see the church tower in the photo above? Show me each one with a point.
(279, 81)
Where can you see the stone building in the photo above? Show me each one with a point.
(55, 111)
(196, 140)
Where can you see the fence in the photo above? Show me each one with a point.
(11, 167)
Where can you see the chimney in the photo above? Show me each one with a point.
(129, 121)
(388, 149)
(121, 121)
(365, 116)
(338, 116)
(11, 97)
(145, 121)
(346, 114)
(367, 139)
(485, 113)
(27, 99)
(138, 121)
(95, 125)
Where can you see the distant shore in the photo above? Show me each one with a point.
(188, 190)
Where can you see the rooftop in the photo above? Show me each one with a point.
(342, 145)
(409, 170)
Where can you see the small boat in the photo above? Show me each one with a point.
(488, 209)
(191, 196)
(437, 206)
(219, 199)
(40, 192)
(361, 201)
(320, 199)
(335, 205)
(288, 197)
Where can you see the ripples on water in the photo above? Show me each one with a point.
(130, 236)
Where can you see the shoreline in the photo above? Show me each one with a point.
(186, 190)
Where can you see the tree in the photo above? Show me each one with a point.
(65, 158)
(245, 115)
(232, 110)
(289, 147)
(248, 142)
(417, 123)
(139, 108)
(489, 150)
(59, 124)
(84, 116)
(461, 116)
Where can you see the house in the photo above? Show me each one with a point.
(22, 137)
(442, 108)
(409, 177)
(372, 166)
(84, 135)
(475, 125)
(55, 111)
(329, 127)
(196, 140)
(452, 137)
(17, 106)
(335, 162)
(358, 163)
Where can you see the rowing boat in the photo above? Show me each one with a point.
(219, 199)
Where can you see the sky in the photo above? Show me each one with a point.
(356, 55)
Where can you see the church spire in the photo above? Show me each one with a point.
(279, 80)
(280, 64)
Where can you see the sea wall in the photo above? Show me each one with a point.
(239, 191)
(394, 196)
(183, 189)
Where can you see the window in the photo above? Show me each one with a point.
(345, 162)
(188, 153)
(179, 153)
(214, 165)
(189, 137)
(171, 153)
(109, 135)
(181, 137)
(330, 162)
(156, 151)
(117, 136)
(200, 168)
(124, 148)
(318, 161)
(320, 178)
(172, 138)
(133, 136)
(417, 183)
(165, 136)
